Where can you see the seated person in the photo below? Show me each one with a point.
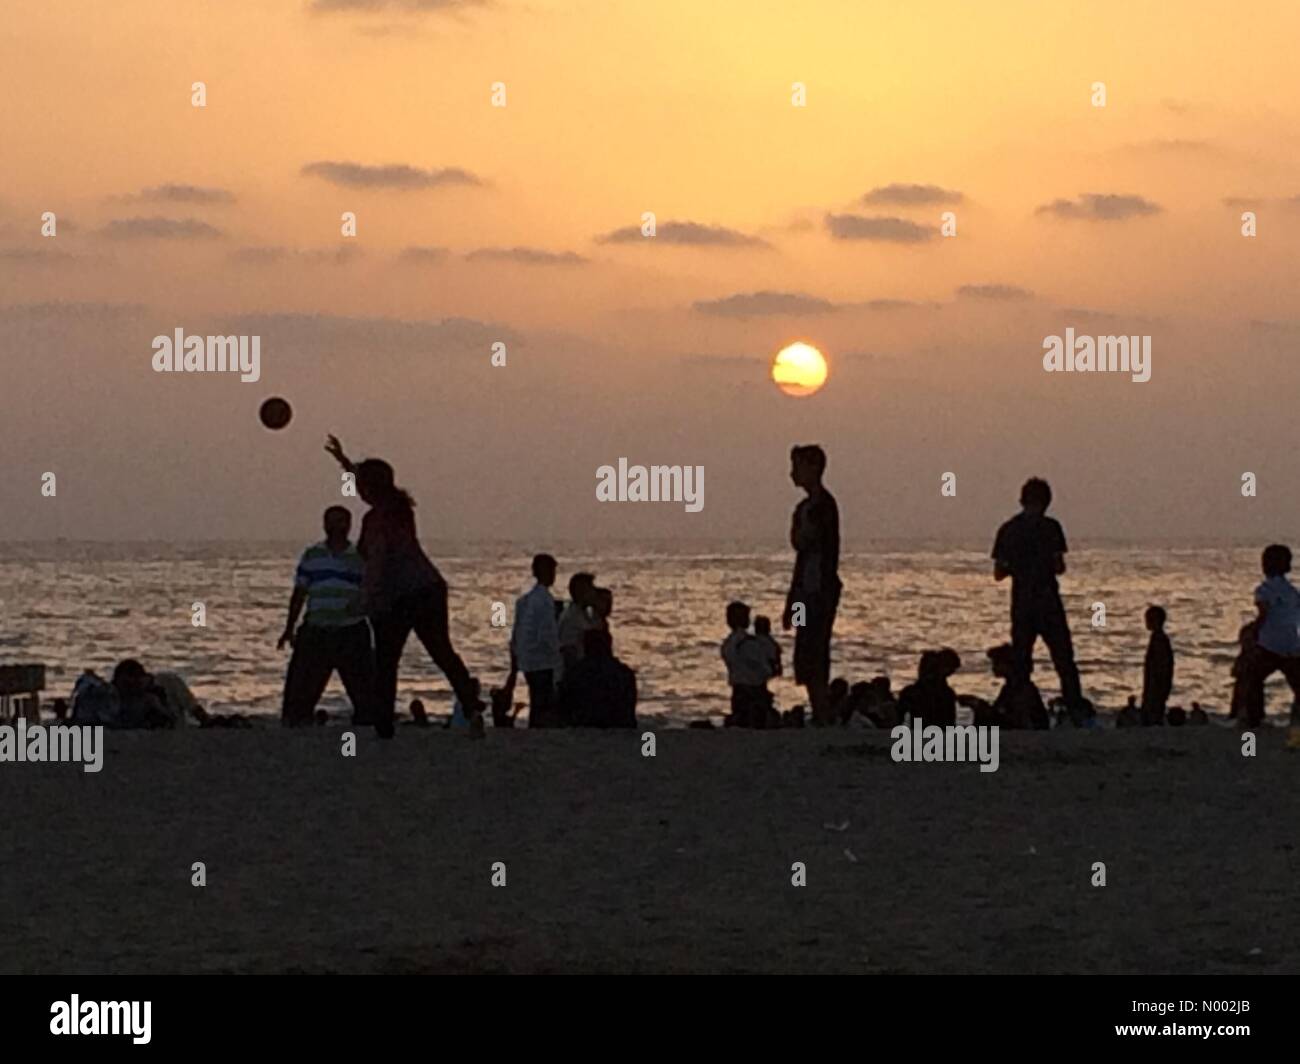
(142, 703)
(771, 648)
(599, 691)
(838, 700)
(1018, 704)
(930, 699)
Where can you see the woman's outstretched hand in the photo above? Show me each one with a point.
(334, 448)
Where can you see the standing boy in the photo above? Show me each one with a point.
(1030, 548)
(334, 634)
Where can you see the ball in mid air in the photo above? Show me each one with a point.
(275, 413)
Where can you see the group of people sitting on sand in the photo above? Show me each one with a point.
(137, 698)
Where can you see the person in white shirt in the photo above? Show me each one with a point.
(579, 617)
(748, 669)
(1277, 645)
(535, 644)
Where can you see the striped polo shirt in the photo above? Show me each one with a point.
(333, 585)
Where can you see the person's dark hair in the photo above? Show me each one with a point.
(810, 454)
(337, 510)
(597, 643)
(1002, 654)
(949, 661)
(543, 562)
(763, 625)
(580, 580)
(1036, 492)
(839, 687)
(737, 615)
(128, 669)
(1156, 615)
(1276, 559)
(377, 479)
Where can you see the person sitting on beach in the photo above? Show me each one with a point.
(1247, 643)
(577, 618)
(602, 606)
(402, 591)
(333, 635)
(1030, 548)
(142, 704)
(838, 700)
(1278, 641)
(930, 699)
(1157, 669)
(748, 670)
(599, 691)
(535, 644)
(1017, 705)
(771, 648)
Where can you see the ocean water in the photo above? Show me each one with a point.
(82, 605)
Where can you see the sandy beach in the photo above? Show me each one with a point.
(620, 863)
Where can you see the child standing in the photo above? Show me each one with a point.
(1278, 642)
(1157, 669)
(771, 648)
(748, 670)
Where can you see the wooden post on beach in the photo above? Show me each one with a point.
(25, 682)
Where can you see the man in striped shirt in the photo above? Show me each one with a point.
(334, 634)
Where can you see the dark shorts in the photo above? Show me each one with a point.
(812, 642)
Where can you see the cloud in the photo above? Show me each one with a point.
(182, 194)
(423, 254)
(340, 255)
(371, 7)
(41, 255)
(1000, 292)
(897, 195)
(390, 176)
(526, 256)
(1100, 207)
(897, 304)
(684, 234)
(160, 229)
(756, 304)
(891, 230)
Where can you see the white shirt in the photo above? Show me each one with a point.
(536, 637)
(747, 660)
(575, 622)
(1280, 631)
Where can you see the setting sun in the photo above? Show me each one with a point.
(799, 369)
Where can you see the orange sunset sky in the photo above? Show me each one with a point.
(520, 224)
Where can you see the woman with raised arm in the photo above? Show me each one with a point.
(401, 591)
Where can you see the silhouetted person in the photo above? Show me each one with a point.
(930, 699)
(1017, 705)
(837, 696)
(815, 585)
(599, 691)
(1157, 669)
(402, 591)
(1278, 639)
(334, 634)
(535, 645)
(141, 704)
(771, 648)
(1241, 668)
(748, 670)
(1030, 548)
(577, 618)
(602, 606)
